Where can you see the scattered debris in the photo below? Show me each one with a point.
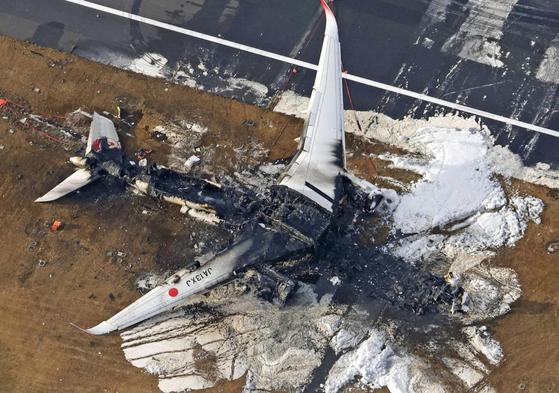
(158, 135)
(50, 127)
(32, 245)
(270, 285)
(192, 161)
(553, 247)
(128, 119)
(56, 226)
(249, 123)
(142, 153)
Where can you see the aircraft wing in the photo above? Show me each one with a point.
(321, 157)
(255, 244)
(102, 135)
(75, 181)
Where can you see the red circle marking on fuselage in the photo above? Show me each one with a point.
(173, 292)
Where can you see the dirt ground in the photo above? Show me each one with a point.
(530, 333)
(81, 283)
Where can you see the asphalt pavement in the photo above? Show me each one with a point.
(490, 57)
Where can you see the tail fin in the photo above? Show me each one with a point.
(75, 181)
(101, 128)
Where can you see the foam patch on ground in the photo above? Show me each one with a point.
(151, 64)
(226, 339)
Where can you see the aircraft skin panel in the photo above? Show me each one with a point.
(321, 157)
(100, 128)
(165, 297)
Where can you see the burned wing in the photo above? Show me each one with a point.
(321, 157)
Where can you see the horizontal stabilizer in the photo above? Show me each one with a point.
(75, 181)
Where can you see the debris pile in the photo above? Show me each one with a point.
(56, 226)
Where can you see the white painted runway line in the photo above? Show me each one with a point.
(304, 64)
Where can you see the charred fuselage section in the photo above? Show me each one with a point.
(280, 237)
(296, 238)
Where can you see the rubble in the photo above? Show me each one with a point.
(332, 325)
(56, 226)
(403, 286)
(350, 277)
(405, 277)
(191, 161)
(553, 247)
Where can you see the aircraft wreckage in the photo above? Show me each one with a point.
(299, 216)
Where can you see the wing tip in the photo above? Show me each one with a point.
(326, 8)
(43, 199)
(98, 330)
